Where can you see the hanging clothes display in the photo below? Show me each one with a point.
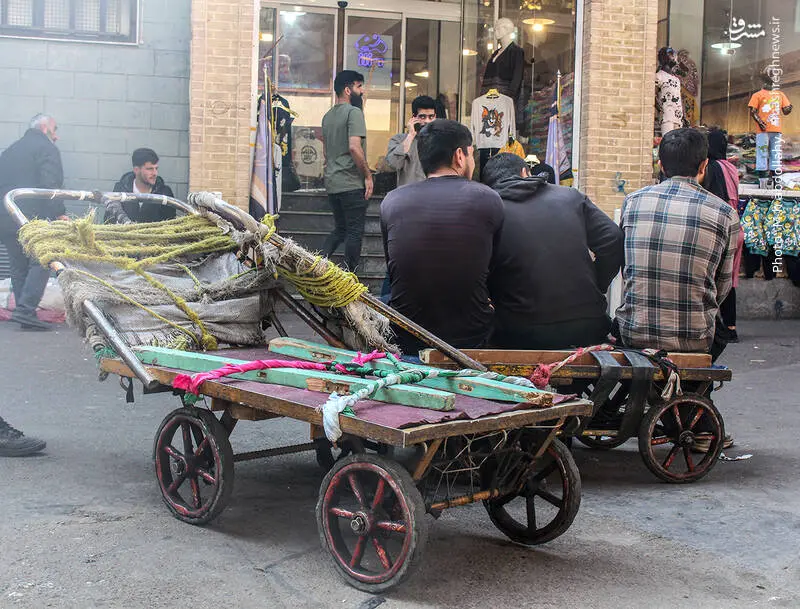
(492, 120)
(283, 118)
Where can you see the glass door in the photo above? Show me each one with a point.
(432, 63)
(372, 46)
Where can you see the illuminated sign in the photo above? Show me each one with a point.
(739, 29)
(371, 50)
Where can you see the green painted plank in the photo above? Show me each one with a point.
(325, 382)
(476, 387)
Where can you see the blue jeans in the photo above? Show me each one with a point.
(28, 277)
(349, 216)
(768, 149)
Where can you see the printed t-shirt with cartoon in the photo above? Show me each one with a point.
(493, 121)
(768, 105)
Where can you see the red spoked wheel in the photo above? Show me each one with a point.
(670, 432)
(371, 519)
(194, 464)
(546, 502)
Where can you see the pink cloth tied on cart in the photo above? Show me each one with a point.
(192, 383)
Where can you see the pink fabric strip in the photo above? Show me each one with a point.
(192, 383)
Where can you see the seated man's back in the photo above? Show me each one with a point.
(439, 236)
(547, 290)
(679, 246)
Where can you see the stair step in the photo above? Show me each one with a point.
(315, 240)
(317, 202)
(319, 222)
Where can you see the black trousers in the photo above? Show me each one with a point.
(349, 216)
(28, 277)
(727, 309)
(560, 335)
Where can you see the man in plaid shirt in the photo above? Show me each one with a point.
(679, 246)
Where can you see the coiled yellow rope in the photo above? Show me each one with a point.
(135, 247)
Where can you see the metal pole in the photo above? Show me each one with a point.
(120, 346)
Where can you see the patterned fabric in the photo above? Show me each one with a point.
(755, 237)
(781, 227)
(669, 108)
(775, 223)
(680, 242)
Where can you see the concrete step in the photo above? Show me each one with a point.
(314, 240)
(317, 202)
(318, 221)
(371, 265)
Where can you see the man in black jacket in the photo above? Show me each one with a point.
(547, 291)
(33, 161)
(144, 179)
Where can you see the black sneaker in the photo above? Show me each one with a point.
(30, 322)
(14, 443)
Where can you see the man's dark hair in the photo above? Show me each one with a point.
(141, 156)
(502, 167)
(766, 81)
(438, 141)
(682, 151)
(422, 102)
(346, 78)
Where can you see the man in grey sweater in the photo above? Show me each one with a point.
(402, 155)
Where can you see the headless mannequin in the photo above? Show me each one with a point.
(669, 107)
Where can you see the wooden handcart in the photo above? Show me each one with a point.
(408, 451)
(373, 501)
(627, 388)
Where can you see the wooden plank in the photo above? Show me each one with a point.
(364, 429)
(520, 357)
(315, 380)
(475, 387)
(569, 372)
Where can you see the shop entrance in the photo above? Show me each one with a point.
(402, 54)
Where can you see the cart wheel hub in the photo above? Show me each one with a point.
(178, 468)
(686, 438)
(361, 523)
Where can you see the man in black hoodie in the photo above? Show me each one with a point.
(143, 179)
(557, 255)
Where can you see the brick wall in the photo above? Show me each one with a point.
(222, 97)
(108, 99)
(617, 103)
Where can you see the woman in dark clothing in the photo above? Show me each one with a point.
(722, 180)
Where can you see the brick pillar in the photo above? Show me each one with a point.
(222, 97)
(617, 97)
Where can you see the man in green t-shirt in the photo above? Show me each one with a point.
(348, 180)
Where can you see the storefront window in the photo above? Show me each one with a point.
(724, 48)
(543, 43)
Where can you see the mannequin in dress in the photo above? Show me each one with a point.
(504, 70)
(669, 107)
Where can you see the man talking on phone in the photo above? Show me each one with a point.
(402, 154)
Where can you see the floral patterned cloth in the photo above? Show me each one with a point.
(775, 223)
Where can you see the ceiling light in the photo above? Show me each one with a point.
(534, 21)
(409, 84)
(726, 46)
(265, 36)
(538, 27)
(468, 52)
(423, 74)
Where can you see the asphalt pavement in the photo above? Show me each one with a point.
(83, 524)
